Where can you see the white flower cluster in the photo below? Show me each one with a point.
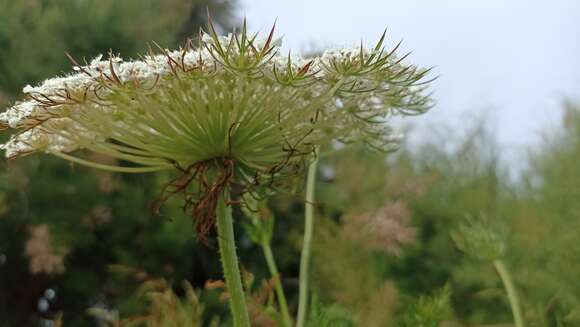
(37, 139)
(56, 98)
(338, 54)
(85, 81)
(280, 64)
(87, 78)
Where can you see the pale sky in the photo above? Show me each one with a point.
(511, 61)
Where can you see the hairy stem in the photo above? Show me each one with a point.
(278, 284)
(225, 229)
(511, 292)
(306, 245)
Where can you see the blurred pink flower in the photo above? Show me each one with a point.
(41, 256)
(385, 229)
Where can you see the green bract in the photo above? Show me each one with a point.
(230, 110)
(480, 239)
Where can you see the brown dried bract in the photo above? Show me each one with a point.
(201, 185)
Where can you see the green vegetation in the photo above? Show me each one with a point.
(434, 235)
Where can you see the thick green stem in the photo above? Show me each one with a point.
(306, 245)
(225, 229)
(511, 292)
(278, 285)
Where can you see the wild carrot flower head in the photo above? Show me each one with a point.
(229, 109)
(480, 238)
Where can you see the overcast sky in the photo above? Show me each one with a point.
(513, 61)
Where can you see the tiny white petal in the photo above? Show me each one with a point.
(27, 89)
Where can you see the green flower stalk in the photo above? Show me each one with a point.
(486, 242)
(224, 113)
(229, 258)
(510, 288)
(260, 229)
(306, 246)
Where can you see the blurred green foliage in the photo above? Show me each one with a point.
(55, 214)
(442, 182)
